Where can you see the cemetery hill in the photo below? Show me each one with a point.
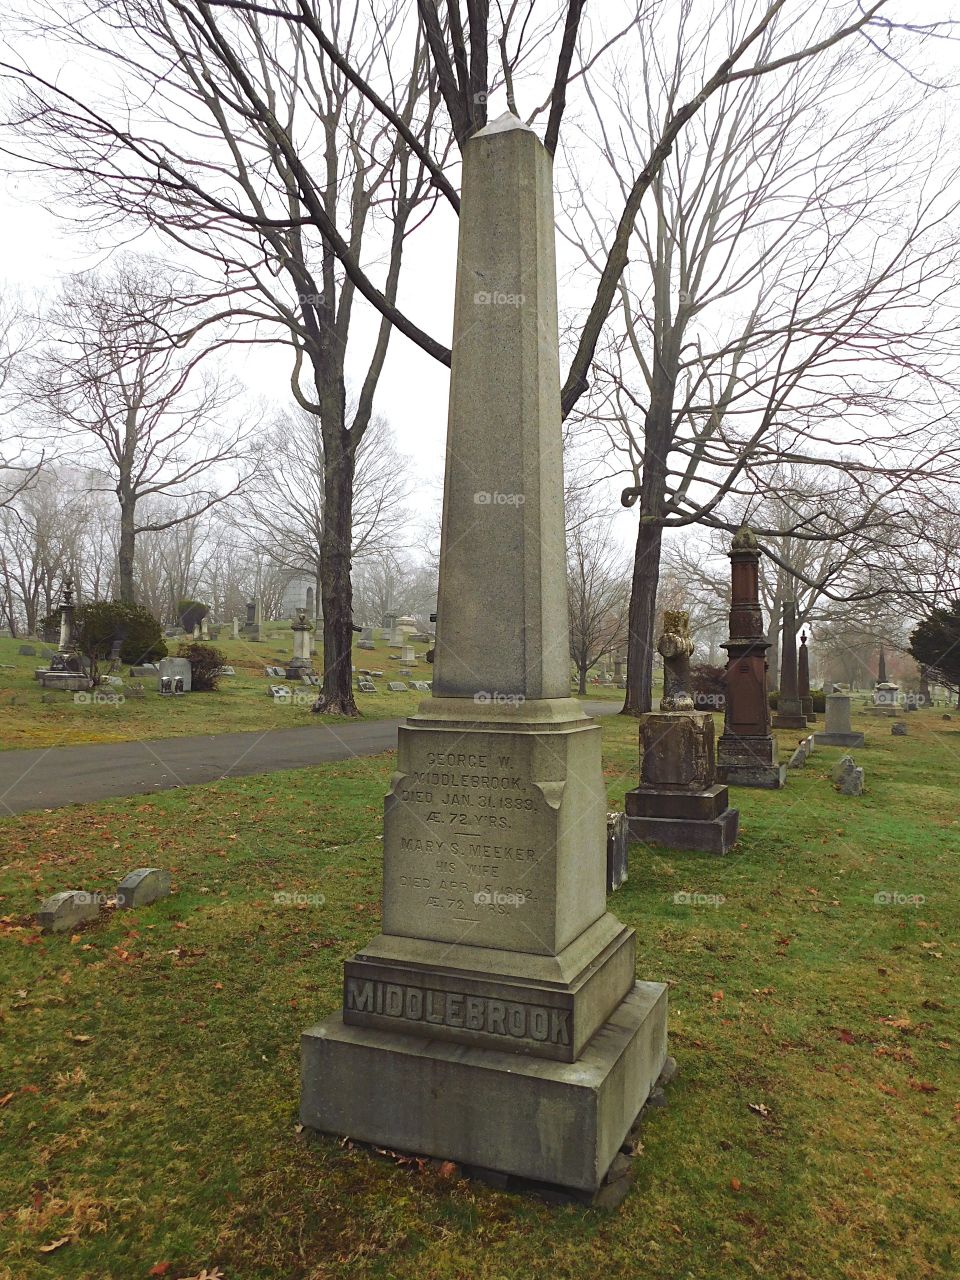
(479, 641)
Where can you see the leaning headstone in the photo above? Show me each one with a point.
(497, 1021)
(799, 758)
(617, 850)
(851, 784)
(747, 750)
(843, 765)
(67, 910)
(141, 887)
(837, 730)
(678, 801)
(899, 729)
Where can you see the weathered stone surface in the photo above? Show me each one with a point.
(789, 709)
(851, 784)
(67, 910)
(846, 764)
(174, 669)
(676, 647)
(557, 1122)
(678, 750)
(141, 887)
(798, 759)
(899, 730)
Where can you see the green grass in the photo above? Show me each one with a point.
(169, 1135)
(33, 717)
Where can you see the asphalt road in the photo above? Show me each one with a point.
(51, 777)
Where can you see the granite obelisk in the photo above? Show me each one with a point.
(496, 1020)
(803, 680)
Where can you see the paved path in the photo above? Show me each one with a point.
(54, 776)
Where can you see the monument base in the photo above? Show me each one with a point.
(699, 820)
(555, 1122)
(68, 681)
(789, 721)
(749, 762)
(838, 739)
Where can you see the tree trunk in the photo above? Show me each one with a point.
(641, 644)
(336, 587)
(582, 688)
(126, 550)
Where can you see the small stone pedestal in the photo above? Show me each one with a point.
(679, 802)
(300, 664)
(838, 731)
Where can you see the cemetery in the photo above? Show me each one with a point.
(488, 810)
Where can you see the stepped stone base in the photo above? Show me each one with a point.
(553, 1122)
(701, 820)
(750, 762)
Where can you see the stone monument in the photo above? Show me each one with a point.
(747, 750)
(251, 628)
(300, 663)
(789, 709)
(679, 802)
(803, 680)
(837, 729)
(497, 1020)
(66, 670)
(886, 694)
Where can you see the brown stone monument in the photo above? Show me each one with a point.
(679, 802)
(747, 750)
(789, 709)
(803, 680)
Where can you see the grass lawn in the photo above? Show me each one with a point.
(33, 717)
(149, 1078)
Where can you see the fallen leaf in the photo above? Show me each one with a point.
(717, 997)
(7, 1097)
(79, 1039)
(922, 1086)
(735, 1184)
(54, 1244)
(759, 1108)
(447, 1169)
(159, 1268)
(885, 1088)
(846, 1036)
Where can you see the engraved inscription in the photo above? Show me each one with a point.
(508, 1018)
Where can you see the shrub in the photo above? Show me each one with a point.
(191, 613)
(205, 663)
(97, 625)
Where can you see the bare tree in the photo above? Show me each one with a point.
(283, 512)
(597, 586)
(142, 411)
(785, 306)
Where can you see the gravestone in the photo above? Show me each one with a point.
(365, 644)
(177, 671)
(280, 693)
(618, 834)
(396, 686)
(27, 651)
(141, 887)
(366, 634)
(679, 801)
(497, 1020)
(366, 686)
(67, 671)
(144, 669)
(300, 662)
(899, 729)
(408, 654)
(799, 757)
(236, 628)
(803, 680)
(844, 765)
(67, 910)
(851, 783)
(747, 750)
(789, 709)
(837, 729)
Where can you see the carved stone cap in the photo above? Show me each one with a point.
(744, 540)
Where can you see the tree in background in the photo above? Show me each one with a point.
(597, 587)
(146, 414)
(936, 645)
